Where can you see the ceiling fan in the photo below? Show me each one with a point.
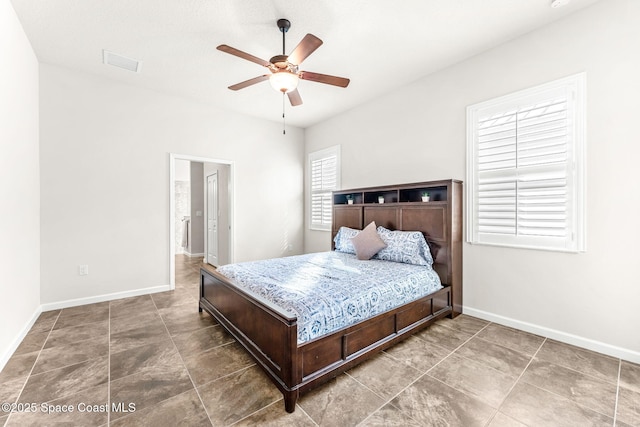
(285, 74)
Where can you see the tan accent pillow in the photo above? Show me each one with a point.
(367, 243)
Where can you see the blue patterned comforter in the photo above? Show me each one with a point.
(330, 290)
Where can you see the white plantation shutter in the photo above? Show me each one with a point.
(324, 167)
(525, 168)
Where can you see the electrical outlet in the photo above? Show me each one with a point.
(290, 248)
(83, 270)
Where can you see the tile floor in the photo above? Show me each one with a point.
(175, 366)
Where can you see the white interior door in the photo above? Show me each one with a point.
(212, 219)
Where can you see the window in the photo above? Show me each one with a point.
(526, 168)
(324, 172)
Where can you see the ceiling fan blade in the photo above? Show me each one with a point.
(305, 48)
(249, 82)
(294, 98)
(324, 78)
(243, 55)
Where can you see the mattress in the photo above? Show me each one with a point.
(328, 291)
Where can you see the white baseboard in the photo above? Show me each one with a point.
(4, 358)
(101, 298)
(190, 255)
(587, 343)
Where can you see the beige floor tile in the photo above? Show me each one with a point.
(18, 367)
(341, 402)
(149, 387)
(135, 320)
(216, 363)
(183, 410)
(630, 376)
(418, 353)
(580, 388)
(126, 306)
(274, 415)
(239, 395)
(629, 407)
(67, 381)
(463, 323)
(433, 403)
(384, 375)
(185, 320)
(145, 357)
(45, 321)
(79, 333)
(533, 406)
(75, 316)
(175, 298)
(137, 337)
(585, 361)
(484, 383)
(389, 416)
(501, 358)
(501, 420)
(443, 336)
(69, 410)
(191, 343)
(71, 354)
(10, 390)
(86, 309)
(514, 339)
(33, 341)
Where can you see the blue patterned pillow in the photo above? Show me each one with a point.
(408, 247)
(343, 240)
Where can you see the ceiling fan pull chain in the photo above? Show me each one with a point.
(283, 124)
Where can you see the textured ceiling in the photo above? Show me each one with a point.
(380, 45)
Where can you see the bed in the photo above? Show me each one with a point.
(298, 357)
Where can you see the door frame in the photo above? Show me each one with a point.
(208, 212)
(172, 209)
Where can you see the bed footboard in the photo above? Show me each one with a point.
(268, 334)
(271, 335)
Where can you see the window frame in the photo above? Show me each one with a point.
(315, 156)
(575, 166)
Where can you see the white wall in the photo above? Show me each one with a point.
(19, 184)
(418, 134)
(105, 151)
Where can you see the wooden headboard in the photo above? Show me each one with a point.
(439, 219)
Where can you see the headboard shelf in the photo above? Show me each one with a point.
(406, 193)
(439, 219)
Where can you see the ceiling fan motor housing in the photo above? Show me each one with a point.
(280, 61)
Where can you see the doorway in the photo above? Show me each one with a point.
(203, 231)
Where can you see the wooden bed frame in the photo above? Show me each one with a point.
(270, 335)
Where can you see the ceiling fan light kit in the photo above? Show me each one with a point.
(284, 81)
(285, 73)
